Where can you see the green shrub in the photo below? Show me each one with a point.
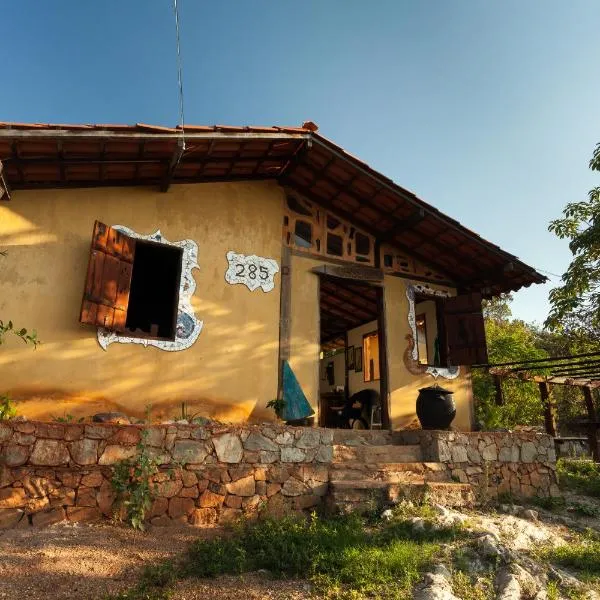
(579, 475)
(7, 408)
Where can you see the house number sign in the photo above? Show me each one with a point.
(252, 271)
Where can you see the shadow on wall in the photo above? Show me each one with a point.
(230, 373)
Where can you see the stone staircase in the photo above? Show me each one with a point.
(371, 469)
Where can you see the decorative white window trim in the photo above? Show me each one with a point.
(252, 271)
(188, 326)
(435, 372)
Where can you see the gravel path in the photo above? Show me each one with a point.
(67, 562)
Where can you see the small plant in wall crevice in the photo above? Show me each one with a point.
(131, 481)
(278, 404)
(7, 408)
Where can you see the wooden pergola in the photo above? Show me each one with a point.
(578, 370)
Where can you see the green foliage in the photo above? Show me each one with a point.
(507, 340)
(344, 557)
(579, 293)
(29, 337)
(579, 475)
(469, 587)
(67, 418)
(583, 556)
(7, 408)
(131, 481)
(278, 404)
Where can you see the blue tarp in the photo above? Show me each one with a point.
(296, 405)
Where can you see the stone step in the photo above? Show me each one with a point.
(366, 494)
(402, 472)
(376, 454)
(362, 437)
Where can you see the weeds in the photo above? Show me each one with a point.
(7, 408)
(344, 557)
(579, 475)
(582, 556)
(469, 587)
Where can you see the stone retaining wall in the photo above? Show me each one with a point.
(208, 474)
(519, 463)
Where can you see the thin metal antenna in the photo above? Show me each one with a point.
(179, 78)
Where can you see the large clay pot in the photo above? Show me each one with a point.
(435, 407)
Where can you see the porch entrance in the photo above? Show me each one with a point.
(352, 365)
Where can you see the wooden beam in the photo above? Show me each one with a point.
(351, 272)
(285, 315)
(592, 428)
(172, 166)
(402, 225)
(384, 386)
(549, 409)
(4, 187)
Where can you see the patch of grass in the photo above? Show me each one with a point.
(344, 557)
(582, 556)
(579, 475)
(470, 587)
(549, 503)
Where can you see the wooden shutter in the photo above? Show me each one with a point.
(108, 282)
(465, 331)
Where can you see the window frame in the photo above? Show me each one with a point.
(366, 368)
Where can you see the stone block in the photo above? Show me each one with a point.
(6, 477)
(10, 517)
(294, 487)
(228, 447)
(23, 425)
(115, 454)
(49, 517)
(24, 439)
(155, 436)
(125, 436)
(251, 504)
(203, 484)
(310, 438)
(84, 451)
(190, 492)
(12, 498)
(99, 432)
(73, 432)
(292, 455)
(284, 439)
(209, 499)
(278, 474)
(509, 454)
(54, 431)
(490, 453)
(528, 452)
(203, 517)
(230, 515)
(200, 433)
(162, 521)
(327, 437)
(189, 451)
(217, 488)
(245, 486)
(260, 473)
(169, 488)
(14, 455)
(93, 479)
(83, 514)
(236, 473)
(86, 496)
(179, 507)
(5, 432)
(159, 507)
(459, 454)
(267, 457)
(252, 457)
(261, 488)
(272, 489)
(257, 441)
(324, 454)
(306, 501)
(233, 501)
(106, 497)
(189, 478)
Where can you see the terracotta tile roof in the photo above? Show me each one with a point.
(45, 155)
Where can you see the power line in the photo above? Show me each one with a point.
(179, 77)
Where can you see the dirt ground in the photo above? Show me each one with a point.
(65, 562)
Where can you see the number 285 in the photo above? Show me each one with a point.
(240, 271)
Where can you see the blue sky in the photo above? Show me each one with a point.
(487, 110)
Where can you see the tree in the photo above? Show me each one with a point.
(578, 298)
(507, 340)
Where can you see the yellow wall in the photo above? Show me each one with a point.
(229, 373)
(404, 387)
(356, 380)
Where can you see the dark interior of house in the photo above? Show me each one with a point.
(154, 292)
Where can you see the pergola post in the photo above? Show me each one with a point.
(593, 427)
(549, 408)
(499, 396)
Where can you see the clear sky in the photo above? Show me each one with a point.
(487, 110)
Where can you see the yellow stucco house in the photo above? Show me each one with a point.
(162, 267)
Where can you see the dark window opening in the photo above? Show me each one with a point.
(154, 295)
(286, 220)
(335, 245)
(332, 222)
(295, 205)
(388, 260)
(303, 234)
(363, 244)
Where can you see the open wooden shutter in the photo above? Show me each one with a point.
(108, 281)
(465, 331)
